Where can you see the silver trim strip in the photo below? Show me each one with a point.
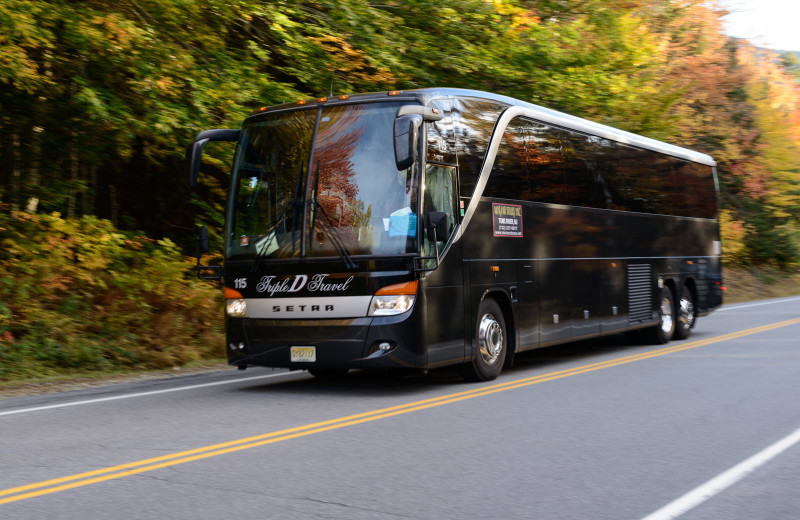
(488, 163)
(590, 127)
(572, 122)
(316, 307)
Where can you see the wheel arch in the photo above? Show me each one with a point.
(673, 285)
(690, 283)
(503, 300)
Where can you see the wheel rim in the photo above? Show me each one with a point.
(490, 339)
(686, 312)
(666, 315)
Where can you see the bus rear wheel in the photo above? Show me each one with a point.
(663, 332)
(491, 341)
(686, 316)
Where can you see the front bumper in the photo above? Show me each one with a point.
(340, 343)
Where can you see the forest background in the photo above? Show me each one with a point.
(98, 101)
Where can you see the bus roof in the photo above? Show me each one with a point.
(531, 110)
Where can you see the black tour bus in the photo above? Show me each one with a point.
(418, 229)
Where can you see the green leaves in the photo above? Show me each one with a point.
(79, 293)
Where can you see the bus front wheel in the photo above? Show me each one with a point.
(663, 332)
(491, 342)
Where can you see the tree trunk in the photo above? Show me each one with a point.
(34, 172)
(16, 172)
(112, 196)
(74, 168)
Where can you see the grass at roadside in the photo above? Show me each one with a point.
(759, 284)
(81, 379)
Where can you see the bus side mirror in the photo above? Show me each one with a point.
(437, 226)
(202, 242)
(406, 132)
(195, 152)
(206, 272)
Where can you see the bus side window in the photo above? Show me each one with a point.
(545, 164)
(509, 178)
(474, 121)
(610, 176)
(581, 170)
(440, 196)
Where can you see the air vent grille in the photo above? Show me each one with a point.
(640, 299)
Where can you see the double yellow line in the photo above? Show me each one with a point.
(134, 468)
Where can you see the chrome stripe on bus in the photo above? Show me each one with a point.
(587, 126)
(315, 307)
(488, 163)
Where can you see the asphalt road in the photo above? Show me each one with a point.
(707, 428)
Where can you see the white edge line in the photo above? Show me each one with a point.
(724, 480)
(747, 305)
(142, 394)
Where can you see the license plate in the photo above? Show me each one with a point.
(303, 354)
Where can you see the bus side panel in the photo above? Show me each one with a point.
(528, 302)
(669, 237)
(690, 246)
(492, 268)
(444, 316)
(587, 297)
(554, 282)
(614, 315)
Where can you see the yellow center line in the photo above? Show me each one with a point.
(138, 467)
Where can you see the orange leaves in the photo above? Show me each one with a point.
(79, 293)
(352, 63)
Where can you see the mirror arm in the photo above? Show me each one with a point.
(436, 249)
(436, 246)
(196, 150)
(427, 113)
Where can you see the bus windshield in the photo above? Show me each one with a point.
(321, 182)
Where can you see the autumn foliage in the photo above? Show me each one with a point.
(99, 99)
(79, 294)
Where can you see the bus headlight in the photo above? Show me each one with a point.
(390, 305)
(393, 299)
(236, 308)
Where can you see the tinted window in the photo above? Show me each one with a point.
(509, 173)
(474, 121)
(698, 193)
(663, 189)
(541, 163)
(529, 164)
(610, 182)
(441, 136)
(633, 167)
(546, 164)
(581, 170)
(634, 179)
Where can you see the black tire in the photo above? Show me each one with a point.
(685, 314)
(663, 332)
(491, 343)
(328, 373)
